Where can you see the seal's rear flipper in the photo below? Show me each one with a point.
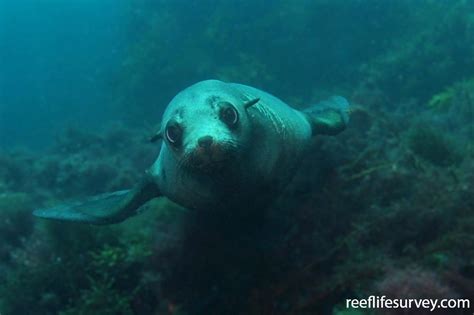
(328, 117)
(106, 208)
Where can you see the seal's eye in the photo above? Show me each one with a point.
(229, 115)
(174, 134)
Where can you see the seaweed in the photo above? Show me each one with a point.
(433, 146)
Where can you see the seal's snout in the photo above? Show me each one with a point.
(205, 142)
(209, 153)
(206, 148)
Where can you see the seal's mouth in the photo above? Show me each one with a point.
(215, 157)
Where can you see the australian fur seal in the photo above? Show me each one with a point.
(223, 144)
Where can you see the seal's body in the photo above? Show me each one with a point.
(260, 150)
(223, 144)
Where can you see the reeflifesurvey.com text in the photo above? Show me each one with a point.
(383, 302)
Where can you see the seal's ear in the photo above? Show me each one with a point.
(250, 103)
(106, 208)
(329, 117)
(157, 136)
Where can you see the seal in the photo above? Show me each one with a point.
(224, 145)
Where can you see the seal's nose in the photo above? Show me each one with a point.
(205, 142)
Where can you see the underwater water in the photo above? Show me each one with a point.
(383, 208)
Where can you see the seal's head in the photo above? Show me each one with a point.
(206, 126)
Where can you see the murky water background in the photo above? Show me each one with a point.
(385, 205)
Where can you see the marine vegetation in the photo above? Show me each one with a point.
(384, 208)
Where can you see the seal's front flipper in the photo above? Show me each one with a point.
(328, 117)
(106, 208)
